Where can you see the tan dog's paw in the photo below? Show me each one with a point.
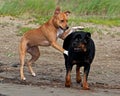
(33, 74)
(23, 78)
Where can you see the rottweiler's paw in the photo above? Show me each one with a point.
(67, 85)
(78, 80)
(86, 88)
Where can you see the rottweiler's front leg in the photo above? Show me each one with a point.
(68, 79)
(85, 77)
(68, 75)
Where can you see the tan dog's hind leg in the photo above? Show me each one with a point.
(22, 50)
(35, 53)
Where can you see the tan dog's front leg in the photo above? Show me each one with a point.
(51, 37)
(56, 46)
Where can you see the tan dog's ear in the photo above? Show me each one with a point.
(57, 11)
(67, 12)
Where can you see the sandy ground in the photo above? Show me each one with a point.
(104, 77)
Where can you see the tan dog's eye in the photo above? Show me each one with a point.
(61, 21)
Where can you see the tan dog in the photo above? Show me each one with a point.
(45, 35)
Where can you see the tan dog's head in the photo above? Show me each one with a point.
(61, 18)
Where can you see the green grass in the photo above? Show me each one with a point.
(105, 12)
(92, 7)
(33, 7)
(22, 30)
(109, 21)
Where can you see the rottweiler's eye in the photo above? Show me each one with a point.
(78, 37)
(61, 21)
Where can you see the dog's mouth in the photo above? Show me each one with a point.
(79, 49)
(63, 28)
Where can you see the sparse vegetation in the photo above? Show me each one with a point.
(96, 11)
(22, 30)
(20, 7)
(106, 12)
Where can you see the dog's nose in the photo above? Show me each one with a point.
(74, 44)
(67, 27)
(84, 41)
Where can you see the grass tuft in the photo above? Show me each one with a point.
(22, 30)
(19, 7)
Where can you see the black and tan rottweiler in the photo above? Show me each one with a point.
(81, 51)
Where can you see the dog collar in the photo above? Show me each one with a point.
(73, 29)
(59, 32)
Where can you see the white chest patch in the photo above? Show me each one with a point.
(73, 29)
(59, 32)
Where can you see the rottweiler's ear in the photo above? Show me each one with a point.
(88, 35)
(57, 11)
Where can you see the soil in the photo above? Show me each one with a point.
(104, 77)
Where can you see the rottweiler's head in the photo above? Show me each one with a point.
(80, 41)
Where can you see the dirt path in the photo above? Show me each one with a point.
(104, 78)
